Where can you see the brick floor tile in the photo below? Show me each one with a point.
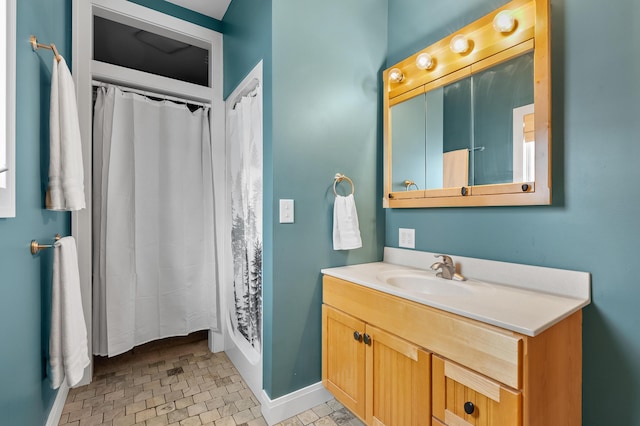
(157, 421)
(72, 406)
(191, 421)
(244, 404)
(243, 416)
(184, 402)
(63, 419)
(173, 396)
(112, 414)
(308, 417)
(260, 421)
(155, 401)
(177, 415)
(143, 415)
(191, 391)
(196, 409)
(226, 421)
(165, 408)
(125, 421)
(202, 396)
(209, 416)
(112, 396)
(228, 410)
(143, 396)
(215, 403)
(135, 407)
(79, 414)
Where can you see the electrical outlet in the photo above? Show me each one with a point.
(286, 211)
(407, 238)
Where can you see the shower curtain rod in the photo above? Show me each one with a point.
(151, 94)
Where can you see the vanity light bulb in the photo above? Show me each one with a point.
(424, 61)
(396, 75)
(459, 44)
(504, 22)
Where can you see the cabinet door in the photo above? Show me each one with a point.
(462, 397)
(398, 381)
(343, 358)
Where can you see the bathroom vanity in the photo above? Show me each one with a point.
(403, 347)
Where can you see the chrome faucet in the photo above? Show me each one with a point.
(447, 268)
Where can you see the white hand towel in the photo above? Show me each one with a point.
(68, 348)
(66, 174)
(346, 230)
(455, 168)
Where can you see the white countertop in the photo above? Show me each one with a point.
(520, 309)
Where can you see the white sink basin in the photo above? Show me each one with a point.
(424, 283)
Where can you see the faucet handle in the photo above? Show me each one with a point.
(446, 259)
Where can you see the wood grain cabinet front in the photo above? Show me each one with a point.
(381, 378)
(395, 362)
(343, 358)
(462, 397)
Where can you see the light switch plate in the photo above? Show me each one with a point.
(286, 211)
(407, 238)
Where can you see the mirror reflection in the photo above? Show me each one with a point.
(475, 131)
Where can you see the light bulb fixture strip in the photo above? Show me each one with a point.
(504, 22)
(396, 75)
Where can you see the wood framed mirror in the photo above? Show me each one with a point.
(467, 120)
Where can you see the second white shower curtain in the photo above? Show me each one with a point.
(154, 257)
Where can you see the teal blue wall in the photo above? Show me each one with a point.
(327, 62)
(182, 13)
(25, 280)
(593, 222)
(321, 116)
(247, 40)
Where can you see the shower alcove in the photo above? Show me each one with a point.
(127, 45)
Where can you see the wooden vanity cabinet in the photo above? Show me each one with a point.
(381, 378)
(343, 359)
(395, 362)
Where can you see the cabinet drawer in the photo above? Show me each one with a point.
(458, 391)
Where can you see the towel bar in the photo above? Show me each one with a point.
(35, 46)
(339, 178)
(36, 247)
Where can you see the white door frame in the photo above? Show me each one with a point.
(85, 70)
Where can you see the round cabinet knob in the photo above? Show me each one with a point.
(463, 191)
(469, 407)
(367, 339)
(525, 187)
(357, 336)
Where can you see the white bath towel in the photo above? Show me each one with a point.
(346, 230)
(455, 168)
(68, 349)
(66, 174)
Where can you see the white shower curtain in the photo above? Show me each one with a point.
(244, 142)
(154, 267)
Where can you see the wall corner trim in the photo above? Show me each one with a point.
(58, 405)
(286, 406)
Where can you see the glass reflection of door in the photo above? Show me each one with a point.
(523, 144)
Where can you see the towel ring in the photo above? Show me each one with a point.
(339, 178)
(409, 183)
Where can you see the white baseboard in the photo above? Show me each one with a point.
(216, 341)
(58, 405)
(286, 406)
